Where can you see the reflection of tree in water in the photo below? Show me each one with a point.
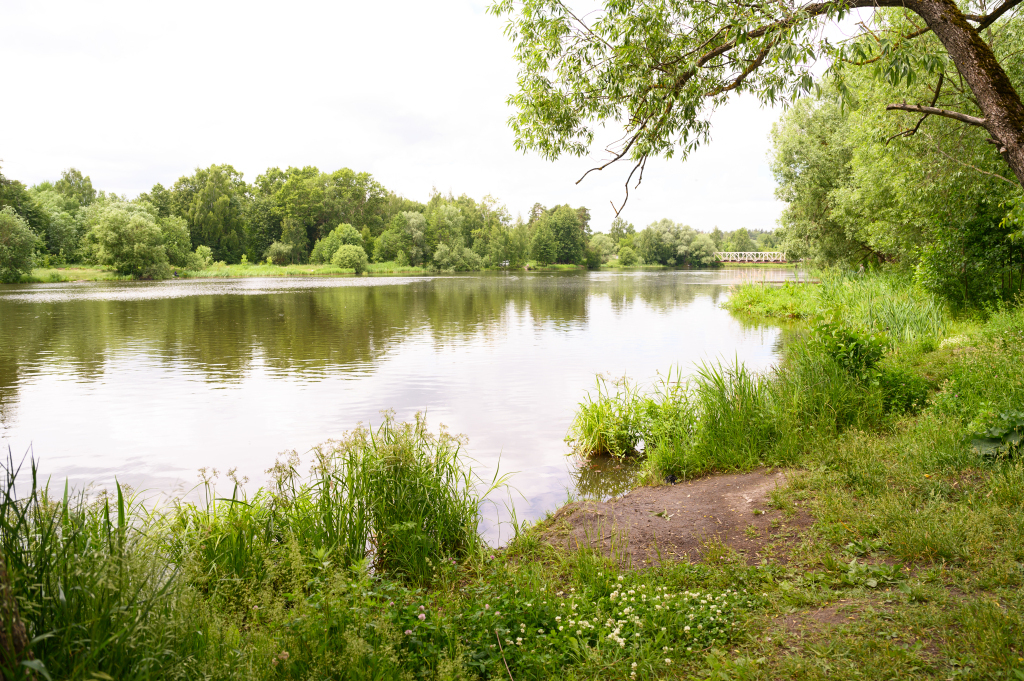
(309, 331)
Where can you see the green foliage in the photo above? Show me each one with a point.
(92, 590)
(450, 260)
(176, 241)
(278, 253)
(602, 246)
(667, 243)
(612, 421)
(350, 257)
(543, 247)
(857, 352)
(628, 257)
(17, 246)
(211, 201)
(324, 249)
(567, 230)
(293, 234)
(127, 237)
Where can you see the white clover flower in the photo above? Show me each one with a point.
(560, 627)
(668, 661)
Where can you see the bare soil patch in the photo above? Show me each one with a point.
(684, 521)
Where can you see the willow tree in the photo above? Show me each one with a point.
(659, 68)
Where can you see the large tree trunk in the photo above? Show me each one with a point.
(1000, 103)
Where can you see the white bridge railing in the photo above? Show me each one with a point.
(751, 256)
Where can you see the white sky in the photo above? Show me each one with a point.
(134, 93)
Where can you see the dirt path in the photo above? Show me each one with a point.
(683, 521)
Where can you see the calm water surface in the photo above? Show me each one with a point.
(150, 381)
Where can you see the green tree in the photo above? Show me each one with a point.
(662, 68)
(543, 247)
(349, 256)
(17, 246)
(76, 187)
(620, 229)
(127, 237)
(176, 241)
(212, 203)
(569, 235)
(294, 234)
(603, 246)
(740, 241)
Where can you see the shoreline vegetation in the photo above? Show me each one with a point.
(898, 425)
(73, 273)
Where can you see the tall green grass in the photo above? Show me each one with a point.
(106, 587)
(726, 417)
(91, 583)
(875, 302)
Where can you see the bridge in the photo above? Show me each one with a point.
(751, 256)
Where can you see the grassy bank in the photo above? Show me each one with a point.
(898, 438)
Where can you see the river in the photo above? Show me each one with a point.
(148, 382)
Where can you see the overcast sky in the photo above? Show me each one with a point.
(134, 93)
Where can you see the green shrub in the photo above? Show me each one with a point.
(324, 249)
(628, 257)
(350, 257)
(17, 246)
(279, 253)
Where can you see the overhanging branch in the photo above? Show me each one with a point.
(955, 115)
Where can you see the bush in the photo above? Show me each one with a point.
(351, 257)
(324, 249)
(628, 257)
(279, 253)
(17, 246)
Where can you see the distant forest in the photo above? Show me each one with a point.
(305, 215)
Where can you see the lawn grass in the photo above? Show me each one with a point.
(365, 568)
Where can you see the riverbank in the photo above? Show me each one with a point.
(892, 549)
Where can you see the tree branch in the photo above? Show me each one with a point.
(955, 115)
(913, 131)
(990, 18)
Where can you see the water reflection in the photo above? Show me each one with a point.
(149, 382)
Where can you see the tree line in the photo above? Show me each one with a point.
(304, 215)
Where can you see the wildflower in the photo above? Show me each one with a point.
(560, 627)
(540, 631)
(633, 665)
(558, 619)
(421, 617)
(274, 662)
(408, 632)
(283, 655)
(519, 641)
(492, 557)
(255, 607)
(668, 661)
(422, 608)
(486, 607)
(686, 628)
(620, 578)
(497, 613)
(665, 649)
(632, 675)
